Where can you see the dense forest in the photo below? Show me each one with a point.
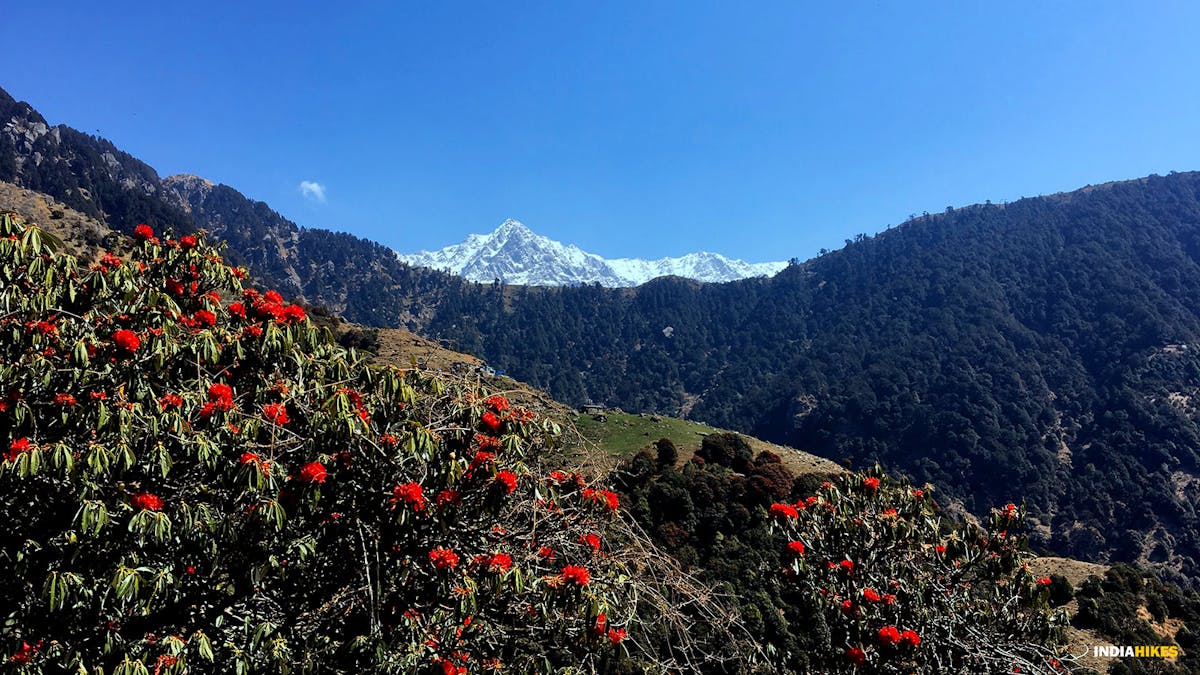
(1044, 349)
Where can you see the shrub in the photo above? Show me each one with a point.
(194, 474)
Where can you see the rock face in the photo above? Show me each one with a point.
(516, 255)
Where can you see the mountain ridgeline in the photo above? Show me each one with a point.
(1046, 349)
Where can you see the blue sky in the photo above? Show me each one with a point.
(760, 130)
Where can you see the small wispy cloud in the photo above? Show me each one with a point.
(313, 190)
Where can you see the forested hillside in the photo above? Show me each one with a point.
(1045, 348)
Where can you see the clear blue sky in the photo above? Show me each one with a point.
(760, 130)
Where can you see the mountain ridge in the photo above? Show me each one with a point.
(514, 254)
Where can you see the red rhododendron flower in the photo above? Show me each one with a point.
(616, 635)
(294, 314)
(127, 340)
(313, 472)
(546, 552)
(1045, 581)
(204, 317)
(145, 501)
(250, 458)
(910, 638)
(500, 563)
(491, 421)
(237, 309)
(847, 565)
(606, 497)
(410, 493)
(273, 297)
(559, 477)
(276, 412)
(889, 636)
(187, 241)
(221, 396)
(16, 448)
(443, 558)
(170, 401)
(578, 575)
(601, 624)
(856, 656)
(870, 595)
(848, 608)
(98, 396)
(507, 479)
(796, 548)
(918, 493)
(870, 484)
(940, 548)
(64, 399)
(143, 232)
(496, 402)
(447, 497)
(590, 540)
(253, 331)
(784, 511)
(25, 653)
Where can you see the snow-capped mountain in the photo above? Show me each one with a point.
(515, 255)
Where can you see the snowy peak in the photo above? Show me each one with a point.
(516, 255)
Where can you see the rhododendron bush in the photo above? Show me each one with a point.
(902, 590)
(196, 478)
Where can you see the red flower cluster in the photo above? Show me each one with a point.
(856, 656)
(496, 402)
(590, 540)
(616, 635)
(499, 563)
(576, 574)
(143, 232)
(870, 485)
(796, 548)
(127, 340)
(313, 472)
(64, 399)
(201, 317)
(508, 480)
(491, 421)
(276, 413)
(17, 447)
(187, 241)
(443, 558)
(145, 501)
(270, 306)
(410, 493)
(782, 511)
(890, 636)
(608, 498)
(220, 397)
(170, 401)
(870, 595)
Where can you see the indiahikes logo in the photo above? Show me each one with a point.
(1139, 651)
